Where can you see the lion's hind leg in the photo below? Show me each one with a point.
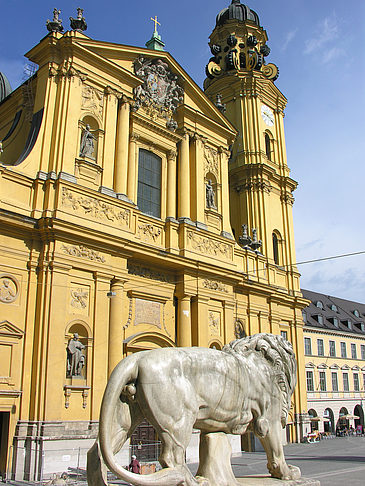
(276, 464)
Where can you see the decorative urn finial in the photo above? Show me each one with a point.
(79, 23)
(55, 25)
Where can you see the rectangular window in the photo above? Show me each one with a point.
(320, 347)
(149, 183)
(343, 350)
(332, 348)
(310, 382)
(353, 351)
(284, 334)
(334, 382)
(356, 382)
(362, 347)
(345, 378)
(322, 381)
(307, 346)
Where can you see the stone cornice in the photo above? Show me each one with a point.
(330, 332)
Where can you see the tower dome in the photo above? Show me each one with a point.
(237, 11)
(5, 88)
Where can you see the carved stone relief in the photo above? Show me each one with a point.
(95, 208)
(149, 232)
(211, 161)
(79, 300)
(9, 289)
(214, 321)
(147, 272)
(147, 312)
(83, 252)
(214, 285)
(209, 246)
(92, 101)
(160, 93)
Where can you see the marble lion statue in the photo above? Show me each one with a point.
(246, 386)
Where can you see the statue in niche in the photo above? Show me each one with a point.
(75, 356)
(209, 195)
(87, 145)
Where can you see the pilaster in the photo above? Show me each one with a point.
(116, 316)
(132, 168)
(121, 156)
(171, 184)
(184, 179)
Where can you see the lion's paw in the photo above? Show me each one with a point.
(294, 472)
(202, 481)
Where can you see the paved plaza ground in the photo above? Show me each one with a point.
(334, 462)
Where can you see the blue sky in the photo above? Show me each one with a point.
(319, 46)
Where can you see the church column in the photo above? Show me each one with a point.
(184, 180)
(132, 169)
(121, 157)
(171, 184)
(184, 321)
(199, 182)
(226, 224)
(117, 306)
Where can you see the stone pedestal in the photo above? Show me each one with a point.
(265, 480)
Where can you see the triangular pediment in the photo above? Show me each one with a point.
(356, 368)
(124, 56)
(310, 365)
(322, 366)
(334, 367)
(7, 329)
(345, 367)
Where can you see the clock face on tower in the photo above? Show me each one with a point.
(267, 115)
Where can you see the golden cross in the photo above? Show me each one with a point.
(155, 22)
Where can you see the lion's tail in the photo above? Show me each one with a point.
(124, 374)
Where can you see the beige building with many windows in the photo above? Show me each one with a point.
(124, 189)
(334, 347)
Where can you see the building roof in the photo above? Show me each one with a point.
(337, 314)
(237, 11)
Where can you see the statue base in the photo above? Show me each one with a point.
(265, 480)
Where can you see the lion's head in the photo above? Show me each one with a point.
(279, 354)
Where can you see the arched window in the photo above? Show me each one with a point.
(149, 183)
(275, 247)
(268, 146)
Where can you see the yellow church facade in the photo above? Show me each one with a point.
(123, 192)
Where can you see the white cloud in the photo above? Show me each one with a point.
(333, 53)
(289, 37)
(326, 32)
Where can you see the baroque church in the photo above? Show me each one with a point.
(137, 211)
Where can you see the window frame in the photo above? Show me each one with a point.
(332, 348)
(322, 381)
(353, 351)
(343, 347)
(310, 380)
(347, 387)
(356, 382)
(147, 184)
(306, 346)
(334, 381)
(319, 340)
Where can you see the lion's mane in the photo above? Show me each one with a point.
(279, 354)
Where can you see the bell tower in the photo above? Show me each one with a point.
(242, 84)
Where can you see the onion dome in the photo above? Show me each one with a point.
(237, 11)
(5, 88)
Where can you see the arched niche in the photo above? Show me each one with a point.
(277, 247)
(329, 422)
(146, 340)
(89, 138)
(215, 345)
(269, 145)
(212, 191)
(78, 339)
